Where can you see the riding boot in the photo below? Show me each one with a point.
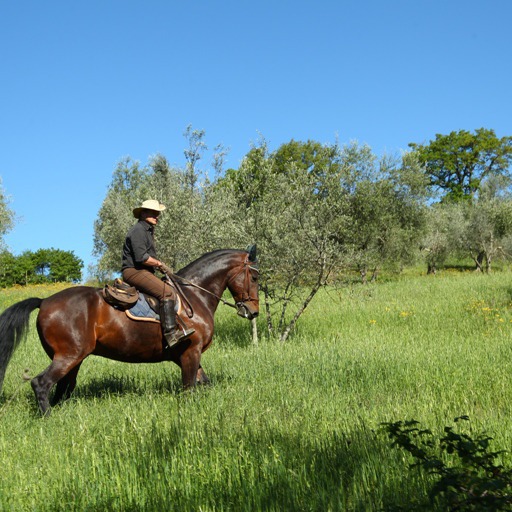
(170, 330)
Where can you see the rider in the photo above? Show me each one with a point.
(140, 262)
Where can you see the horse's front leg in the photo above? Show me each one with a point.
(190, 364)
(201, 377)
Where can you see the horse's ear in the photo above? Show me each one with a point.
(252, 252)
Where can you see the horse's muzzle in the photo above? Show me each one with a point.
(245, 311)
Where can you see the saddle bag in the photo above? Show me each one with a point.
(120, 294)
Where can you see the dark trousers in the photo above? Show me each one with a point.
(147, 282)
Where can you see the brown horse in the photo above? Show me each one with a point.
(77, 322)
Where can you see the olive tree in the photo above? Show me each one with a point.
(387, 205)
(488, 227)
(292, 205)
(195, 220)
(6, 215)
(318, 210)
(125, 192)
(445, 227)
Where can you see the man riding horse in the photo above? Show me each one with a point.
(139, 264)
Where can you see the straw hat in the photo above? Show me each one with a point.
(149, 204)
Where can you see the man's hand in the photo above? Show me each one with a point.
(165, 269)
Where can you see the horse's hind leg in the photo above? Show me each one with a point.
(66, 385)
(43, 383)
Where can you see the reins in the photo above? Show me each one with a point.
(225, 302)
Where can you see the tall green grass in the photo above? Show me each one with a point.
(291, 426)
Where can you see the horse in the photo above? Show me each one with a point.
(77, 322)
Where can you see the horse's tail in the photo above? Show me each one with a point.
(13, 328)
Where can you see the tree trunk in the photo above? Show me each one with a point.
(270, 325)
(254, 331)
(291, 325)
(479, 260)
(488, 259)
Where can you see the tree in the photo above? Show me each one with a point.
(42, 266)
(56, 265)
(302, 205)
(443, 237)
(292, 205)
(488, 227)
(6, 215)
(196, 219)
(126, 191)
(387, 211)
(316, 210)
(458, 163)
(9, 270)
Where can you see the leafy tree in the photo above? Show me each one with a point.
(488, 226)
(195, 211)
(6, 215)
(126, 191)
(291, 203)
(315, 210)
(387, 212)
(445, 226)
(9, 270)
(296, 203)
(56, 265)
(459, 162)
(42, 266)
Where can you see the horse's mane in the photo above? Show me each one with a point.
(203, 261)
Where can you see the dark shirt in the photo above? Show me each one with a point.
(138, 246)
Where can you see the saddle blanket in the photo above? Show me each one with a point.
(141, 310)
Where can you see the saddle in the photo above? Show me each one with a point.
(122, 296)
(138, 305)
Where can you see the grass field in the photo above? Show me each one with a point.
(283, 427)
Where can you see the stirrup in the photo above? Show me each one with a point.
(178, 336)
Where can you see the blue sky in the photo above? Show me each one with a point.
(85, 84)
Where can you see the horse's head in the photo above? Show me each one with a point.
(243, 285)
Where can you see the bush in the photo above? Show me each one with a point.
(473, 481)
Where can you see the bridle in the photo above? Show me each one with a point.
(247, 267)
(239, 304)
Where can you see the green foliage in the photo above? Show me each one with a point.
(127, 191)
(458, 163)
(387, 215)
(6, 215)
(313, 209)
(292, 205)
(197, 215)
(10, 272)
(467, 475)
(443, 237)
(488, 224)
(41, 266)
